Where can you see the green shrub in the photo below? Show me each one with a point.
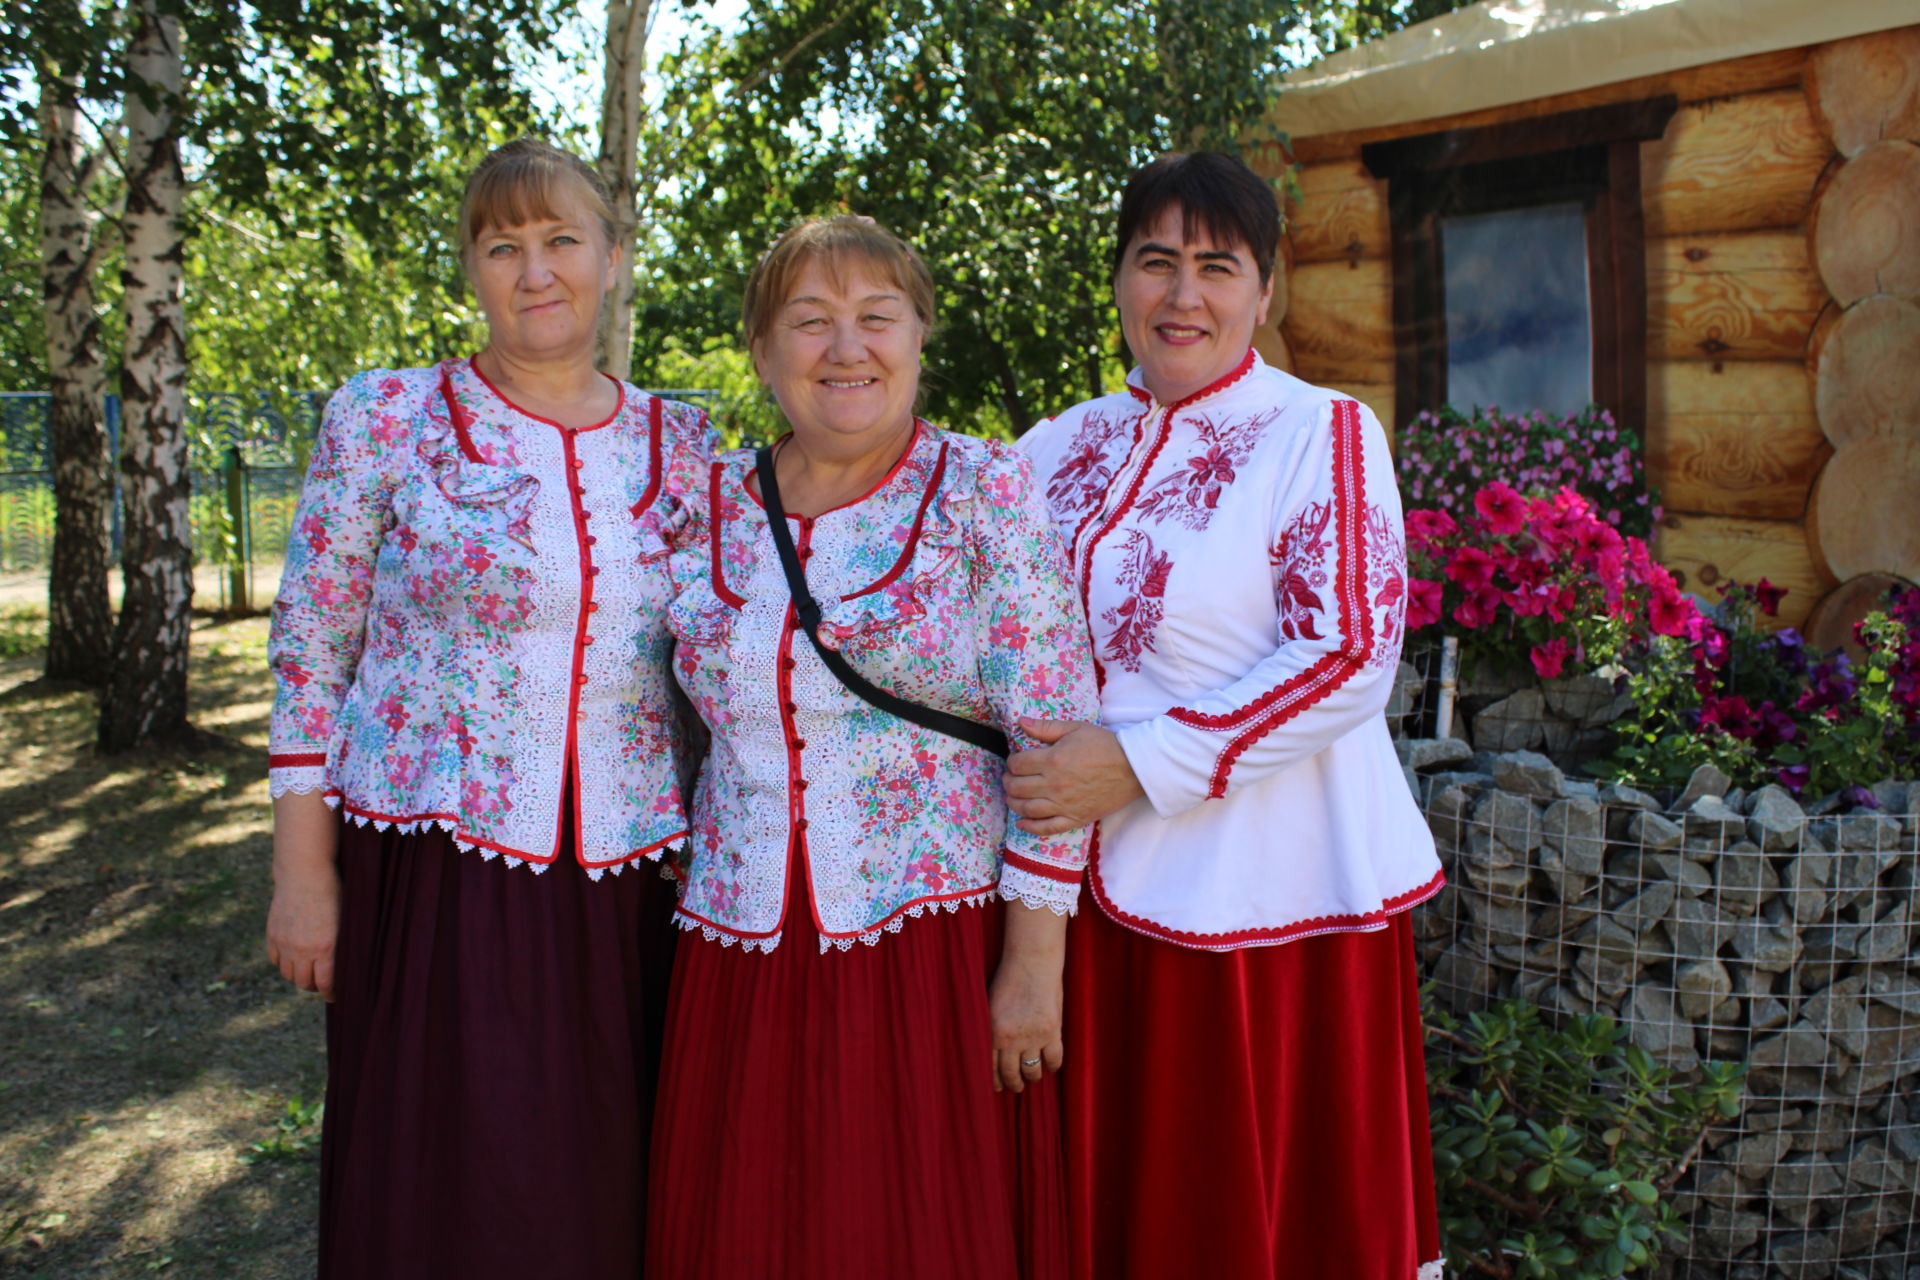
(1556, 1149)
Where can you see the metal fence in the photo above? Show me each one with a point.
(247, 455)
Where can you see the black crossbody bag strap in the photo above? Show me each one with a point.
(986, 737)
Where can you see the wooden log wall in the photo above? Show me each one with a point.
(1864, 229)
(1740, 293)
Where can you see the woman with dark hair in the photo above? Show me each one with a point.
(1248, 1095)
(865, 1015)
(470, 652)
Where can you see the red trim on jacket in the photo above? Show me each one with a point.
(654, 410)
(913, 534)
(296, 760)
(1215, 387)
(1292, 696)
(461, 417)
(1353, 922)
(716, 573)
(619, 400)
(1033, 866)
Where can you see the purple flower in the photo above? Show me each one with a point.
(1859, 797)
(1794, 777)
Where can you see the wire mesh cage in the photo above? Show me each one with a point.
(1719, 925)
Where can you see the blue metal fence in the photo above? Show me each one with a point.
(247, 452)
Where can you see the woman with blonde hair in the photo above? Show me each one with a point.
(470, 654)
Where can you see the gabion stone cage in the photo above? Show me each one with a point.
(1715, 924)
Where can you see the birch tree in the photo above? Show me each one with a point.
(620, 106)
(146, 697)
(79, 615)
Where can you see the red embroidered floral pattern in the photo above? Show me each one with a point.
(1085, 472)
(1189, 495)
(1299, 561)
(1387, 556)
(1143, 583)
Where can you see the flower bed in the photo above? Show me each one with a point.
(1714, 923)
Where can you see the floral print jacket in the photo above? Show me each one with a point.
(473, 610)
(945, 585)
(1241, 559)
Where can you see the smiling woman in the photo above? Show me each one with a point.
(875, 952)
(470, 653)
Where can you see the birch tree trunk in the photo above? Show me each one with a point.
(625, 60)
(146, 698)
(79, 617)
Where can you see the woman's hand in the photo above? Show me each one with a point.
(304, 921)
(1081, 776)
(1026, 996)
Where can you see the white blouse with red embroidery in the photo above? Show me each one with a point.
(473, 613)
(1241, 560)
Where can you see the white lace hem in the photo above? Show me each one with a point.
(448, 825)
(1435, 1270)
(870, 936)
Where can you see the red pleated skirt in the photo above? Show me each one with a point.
(831, 1116)
(1258, 1114)
(491, 1057)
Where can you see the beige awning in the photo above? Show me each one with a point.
(1499, 52)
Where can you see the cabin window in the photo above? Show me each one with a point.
(1517, 315)
(1519, 272)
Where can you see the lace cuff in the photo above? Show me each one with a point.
(1060, 896)
(296, 779)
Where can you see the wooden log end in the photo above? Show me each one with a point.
(1861, 518)
(1867, 372)
(1866, 224)
(1866, 88)
(1830, 624)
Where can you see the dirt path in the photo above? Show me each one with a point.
(144, 1044)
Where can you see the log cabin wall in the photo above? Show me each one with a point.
(1734, 297)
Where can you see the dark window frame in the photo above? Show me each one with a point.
(1590, 156)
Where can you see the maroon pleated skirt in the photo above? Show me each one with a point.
(832, 1117)
(492, 1053)
(1259, 1114)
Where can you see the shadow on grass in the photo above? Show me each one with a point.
(144, 1043)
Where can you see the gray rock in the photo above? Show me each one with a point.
(1618, 795)
(1647, 908)
(1744, 880)
(1801, 1252)
(1886, 1048)
(1856, 874)
(1754, 1156)
(1799, 1046)
(1528, 773)
(1425, 754)
(1500, 921)
(1588, 701)
(1709, 821)
(1570, 883)
(1660, 1031)
(1768, 1121)
(1692, 878)
(1466, 971)
(1559, 919)
(1766, 947)
(1509, 820)
(1577, 828)
(1803, 886)
(1699, 928)
(1775, 820)
(1886, 939)
(1652, 832)
(1506, 880)
(1839, 1012)
(1897, 991)
(1706, 781)
(1857, 831)
(1766, 1012)
(1804, 1177)
(1730, 1232)
(1447, 808)
(1513, 723)
(1702, 985)
(1896, 798)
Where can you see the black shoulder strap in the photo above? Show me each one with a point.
(807, 609)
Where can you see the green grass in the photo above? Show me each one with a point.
(23, 630)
